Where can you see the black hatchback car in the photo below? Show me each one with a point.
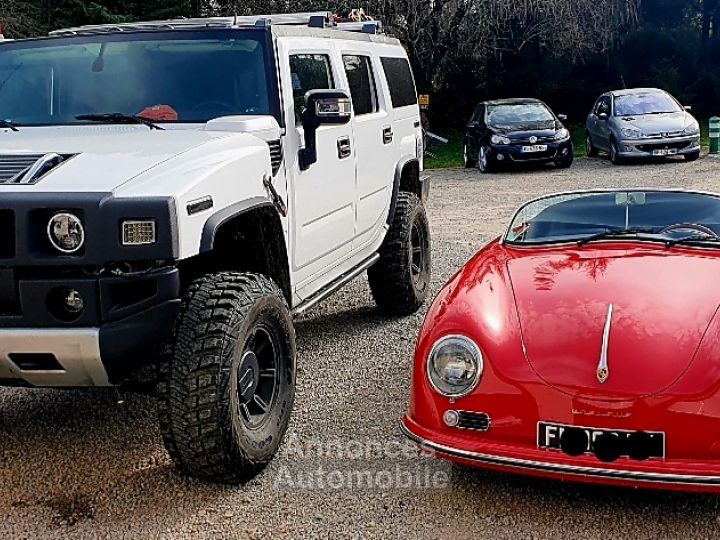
(516, 131)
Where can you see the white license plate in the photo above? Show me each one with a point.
(549, 436)
(534, 148)
(665, 152)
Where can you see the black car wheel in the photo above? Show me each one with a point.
(590, 149)
(614, 154)
(484, 160)
(468, 161)
(566, 162)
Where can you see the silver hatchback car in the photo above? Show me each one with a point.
(641, 123)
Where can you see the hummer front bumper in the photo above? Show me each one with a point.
(123, 323)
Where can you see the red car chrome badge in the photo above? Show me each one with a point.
(603, 372)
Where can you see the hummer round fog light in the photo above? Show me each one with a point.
(65, 304)
(74, 302)
(451, 418)
(66, 232)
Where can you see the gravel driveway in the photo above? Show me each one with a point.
(78, 464)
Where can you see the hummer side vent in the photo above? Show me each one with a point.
(276, 155)
(28, 168)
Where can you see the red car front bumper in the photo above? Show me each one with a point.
(473, 451)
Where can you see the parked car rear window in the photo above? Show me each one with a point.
(362, 84)
(400, 80)
(646, 103)
(309, 72)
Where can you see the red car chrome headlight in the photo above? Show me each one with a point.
(455, 366)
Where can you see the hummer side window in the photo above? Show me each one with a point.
(309, 72)
(400, 80)
(362, 84)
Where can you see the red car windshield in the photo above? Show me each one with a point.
(667, 216)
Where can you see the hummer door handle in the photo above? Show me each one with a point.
(344, 147)
(388, 135)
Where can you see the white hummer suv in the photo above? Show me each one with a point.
(172, 192)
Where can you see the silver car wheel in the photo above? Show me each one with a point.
(482, 159)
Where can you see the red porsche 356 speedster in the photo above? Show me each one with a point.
(584, 344)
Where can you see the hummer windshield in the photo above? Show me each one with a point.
(172, 76)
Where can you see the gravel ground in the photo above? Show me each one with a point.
(78, 464)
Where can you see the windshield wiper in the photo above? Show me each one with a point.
(619, 233)
(695, 239)
(118, 118)
(8, 124)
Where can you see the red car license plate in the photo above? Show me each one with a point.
(550, 436)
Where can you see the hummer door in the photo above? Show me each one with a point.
(376, 145)
(323, 195)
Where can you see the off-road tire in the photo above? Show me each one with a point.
(693, 156)
(198, 402)
(398, 283)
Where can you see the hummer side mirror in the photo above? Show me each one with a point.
(322, 107)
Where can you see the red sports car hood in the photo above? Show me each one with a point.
(663, 303)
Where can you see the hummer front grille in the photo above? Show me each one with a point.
(12, 167)
(28, 168)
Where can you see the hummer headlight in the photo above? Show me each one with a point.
(455, 366)
(65, 232)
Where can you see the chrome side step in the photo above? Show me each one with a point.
(335, 286)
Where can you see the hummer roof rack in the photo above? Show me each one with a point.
(358, 22)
